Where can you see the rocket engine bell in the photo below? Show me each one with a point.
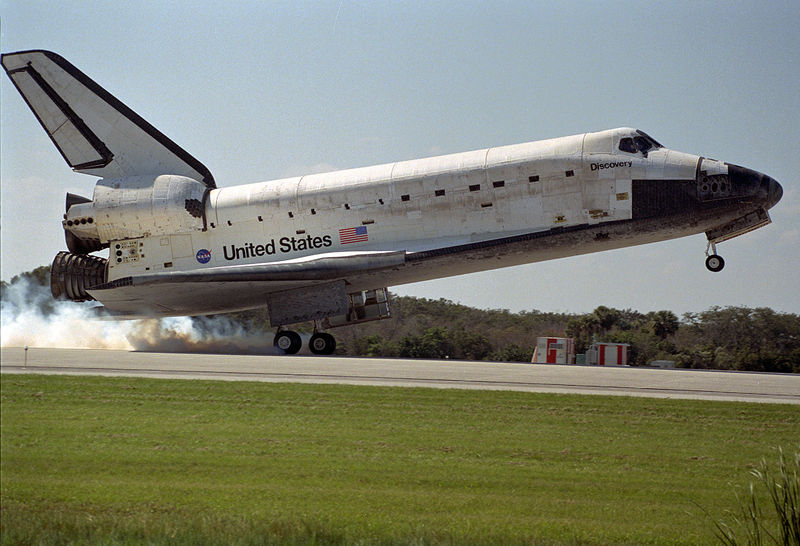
(71, 275)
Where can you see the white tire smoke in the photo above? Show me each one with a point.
(30, 316)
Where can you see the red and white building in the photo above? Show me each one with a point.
(554, 350)
(608, 354)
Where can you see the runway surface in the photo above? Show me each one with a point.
(695, 384)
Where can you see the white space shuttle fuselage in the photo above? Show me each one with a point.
(411, 206)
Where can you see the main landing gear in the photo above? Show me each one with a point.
(287, 341)
(321, 343)
(714, 262)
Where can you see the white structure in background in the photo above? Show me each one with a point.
(662, 364)
(607, 354)
(554, 350)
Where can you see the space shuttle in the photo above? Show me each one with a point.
(158, 237)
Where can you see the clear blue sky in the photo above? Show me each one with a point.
(261, 90)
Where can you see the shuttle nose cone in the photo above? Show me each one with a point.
(747, 182)
(774, 192)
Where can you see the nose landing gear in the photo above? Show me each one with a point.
(714, 262)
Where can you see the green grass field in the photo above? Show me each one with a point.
(99, 460)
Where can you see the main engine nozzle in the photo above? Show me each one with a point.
(71, 275)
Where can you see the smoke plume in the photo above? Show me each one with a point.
(30, 316)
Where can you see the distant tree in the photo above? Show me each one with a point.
(471, 346)
(374, 345)
(630, 320)
(606, 317)
(433, 343)
(582, 328)
(664, 323)
(40, 276)
(741, 338)
(512, 353)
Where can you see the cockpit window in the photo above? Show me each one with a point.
(626, 145)
(651, 139)
(642, 143)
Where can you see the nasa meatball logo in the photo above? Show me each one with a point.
(203, 256)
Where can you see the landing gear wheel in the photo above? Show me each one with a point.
(287, 341)
(322, 344)
(715, 263)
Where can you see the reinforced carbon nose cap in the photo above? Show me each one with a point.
(774, 192)
(747, 182)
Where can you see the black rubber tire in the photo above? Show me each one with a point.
(322, 344)
(715, 263)
(287, 341)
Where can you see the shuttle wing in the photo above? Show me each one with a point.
(218, 289)
(95, 133)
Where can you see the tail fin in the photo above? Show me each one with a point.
(95, 133)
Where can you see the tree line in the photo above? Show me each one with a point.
(734, 338)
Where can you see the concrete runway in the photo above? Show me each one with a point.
(694, 384)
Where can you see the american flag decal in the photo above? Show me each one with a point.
(353, 235)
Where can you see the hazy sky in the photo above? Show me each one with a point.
(262, 90)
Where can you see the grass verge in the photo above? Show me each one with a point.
(100, 460)
(783, 487)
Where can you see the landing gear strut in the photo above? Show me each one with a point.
(714, 262)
